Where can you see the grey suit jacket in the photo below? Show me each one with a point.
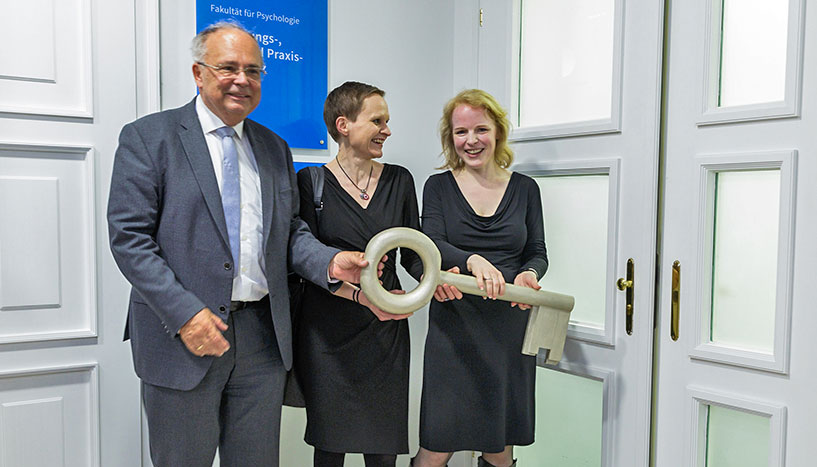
(169, 238)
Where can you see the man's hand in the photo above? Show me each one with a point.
(346, 266)
(202, 334)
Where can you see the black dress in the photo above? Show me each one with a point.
(478, 388)
(354, 368)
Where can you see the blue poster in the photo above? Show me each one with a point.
(293, 41)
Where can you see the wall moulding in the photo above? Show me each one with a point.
(47, 261)
(49, 69)
(38, 404)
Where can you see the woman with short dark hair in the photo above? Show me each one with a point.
(353, 358)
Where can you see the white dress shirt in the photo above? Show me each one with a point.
(250, 284)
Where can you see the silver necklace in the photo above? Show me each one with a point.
(363, 195)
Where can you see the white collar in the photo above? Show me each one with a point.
(210, 121)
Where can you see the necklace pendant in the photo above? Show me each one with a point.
(364, 196)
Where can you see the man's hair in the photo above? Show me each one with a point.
(198, 47)
(477, 98)
(346, 100)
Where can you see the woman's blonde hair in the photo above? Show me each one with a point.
(503, 156)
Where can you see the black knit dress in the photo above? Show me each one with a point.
(478, 388)
(354, 368)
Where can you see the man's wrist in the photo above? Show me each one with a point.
(329, 271)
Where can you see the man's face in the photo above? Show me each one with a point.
(231, 99)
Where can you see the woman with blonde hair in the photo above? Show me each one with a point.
(478, 388)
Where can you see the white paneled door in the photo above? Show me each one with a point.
(68, 394)
(736, 367)
(583, 82)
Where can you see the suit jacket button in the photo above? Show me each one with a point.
(222, 308)
(228, 266)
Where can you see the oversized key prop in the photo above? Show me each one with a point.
(547, 321)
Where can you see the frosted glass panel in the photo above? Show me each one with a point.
(736, 438)
(747, 213)
(566, 61)
(568, 422)
(753, 51)
(575, 209)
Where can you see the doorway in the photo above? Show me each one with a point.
(719, 281)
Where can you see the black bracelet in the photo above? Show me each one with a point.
(355, 295)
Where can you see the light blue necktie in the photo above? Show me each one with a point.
(231, 192)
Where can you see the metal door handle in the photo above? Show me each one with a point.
(675, 304)
(629, 286)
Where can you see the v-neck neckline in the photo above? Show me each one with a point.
(499, 207)
(352, 197)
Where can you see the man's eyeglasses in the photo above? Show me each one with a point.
(253, 73)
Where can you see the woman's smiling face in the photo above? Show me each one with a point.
(369, 130)
(474, 133)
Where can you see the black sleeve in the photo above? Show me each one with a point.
(411, 218)
(434, 225)
(534, 256)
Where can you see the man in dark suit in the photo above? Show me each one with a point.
(203, 221)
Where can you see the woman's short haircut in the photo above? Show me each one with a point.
(503, 155)
(346, 100)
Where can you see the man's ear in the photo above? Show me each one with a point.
(342, 125)
(197, 75)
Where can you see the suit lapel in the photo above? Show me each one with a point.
(266, 172)
(195, 148)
